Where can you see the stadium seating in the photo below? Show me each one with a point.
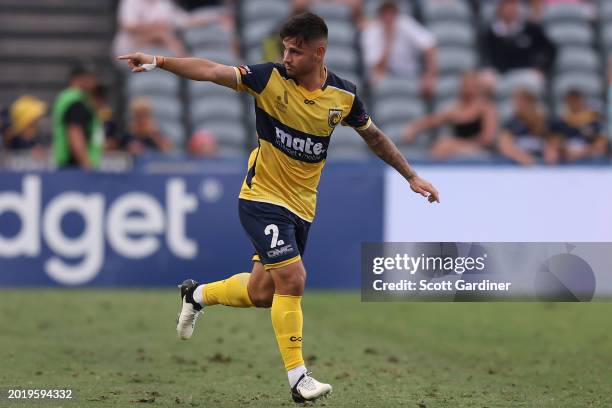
(211, 37)
(258, 19)
(217, 109)
(446, 10)
(578, 65)
(40, 40)
(452, 24)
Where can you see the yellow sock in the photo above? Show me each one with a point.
(287, 321)
(230, 292)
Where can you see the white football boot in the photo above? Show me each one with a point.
(186, 320)
(309, 389)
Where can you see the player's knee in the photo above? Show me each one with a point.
(290, 280)
(262, 298)
(295, 285)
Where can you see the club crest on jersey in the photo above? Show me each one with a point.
(334, 117)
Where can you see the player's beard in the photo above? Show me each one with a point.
(299, 72)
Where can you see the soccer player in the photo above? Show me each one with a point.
(298, 105)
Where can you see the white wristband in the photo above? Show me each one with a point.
(150, 67)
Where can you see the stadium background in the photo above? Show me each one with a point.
(493, 199)
(52, 236)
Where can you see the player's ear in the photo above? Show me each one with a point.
(320, 52)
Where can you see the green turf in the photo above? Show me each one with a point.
(119, 349)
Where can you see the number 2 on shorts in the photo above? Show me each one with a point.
(273, 228)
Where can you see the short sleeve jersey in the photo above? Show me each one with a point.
(294, 127)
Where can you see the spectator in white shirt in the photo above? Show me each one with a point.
(394, 45)
(153, 23)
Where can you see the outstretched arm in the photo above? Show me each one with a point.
(198, 69)
(384, 148)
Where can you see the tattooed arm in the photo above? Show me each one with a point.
(384, 148)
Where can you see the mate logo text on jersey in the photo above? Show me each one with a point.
(298, 147)
(334, 117)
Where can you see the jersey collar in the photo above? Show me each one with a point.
(317, 92)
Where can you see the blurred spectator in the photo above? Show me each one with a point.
(153, 23)
(526, 138)
(513, 43)
(273, 46)
(143, 134)
(106, 115)
(23, 131)
(202, 144)
(394, 44)
(472, 120)
(78, 133)
(580, 129)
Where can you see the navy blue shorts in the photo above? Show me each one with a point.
(278, 235)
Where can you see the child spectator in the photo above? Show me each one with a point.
(144, 135)
(526, 137)
(580, 129)
(23, 132)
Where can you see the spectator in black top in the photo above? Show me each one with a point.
(472, 120)
(513, 43)
(526, 137)
(23, 131)
(580, 129)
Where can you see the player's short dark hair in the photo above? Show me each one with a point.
(304, 27)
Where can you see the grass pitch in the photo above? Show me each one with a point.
(119, 349)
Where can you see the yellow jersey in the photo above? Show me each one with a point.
(294, 127)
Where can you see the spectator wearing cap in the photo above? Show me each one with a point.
(78, 133)
(23, 131)
(144, 135)
(580, 129)
(394, 44)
